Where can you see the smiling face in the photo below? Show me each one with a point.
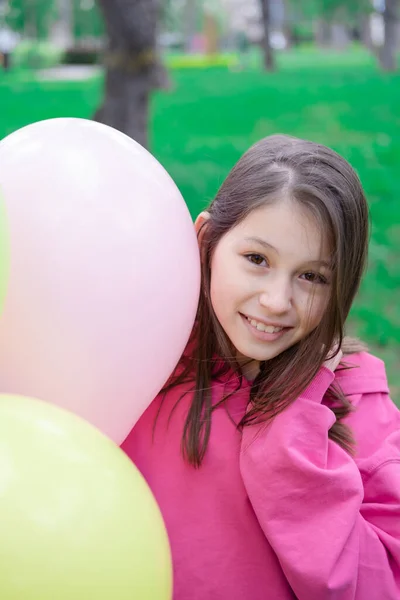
(270, 280)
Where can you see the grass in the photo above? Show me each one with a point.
(211, 115)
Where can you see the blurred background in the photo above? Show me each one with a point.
(198, 81)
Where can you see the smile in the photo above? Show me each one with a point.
(263, 327)
(264, 332)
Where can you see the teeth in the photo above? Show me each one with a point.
(263, 327)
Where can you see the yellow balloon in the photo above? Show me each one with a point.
(77, 519)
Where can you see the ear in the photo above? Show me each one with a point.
(200, 224)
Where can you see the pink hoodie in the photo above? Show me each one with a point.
(281, 512)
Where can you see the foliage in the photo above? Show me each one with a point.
(36, 55)
(35, 18)
(346, 11)
(31, 17)
(87, 20)
(200, 61)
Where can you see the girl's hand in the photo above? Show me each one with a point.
(333, 363)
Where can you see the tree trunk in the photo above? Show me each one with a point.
(132, 65)
(62, 31)
(365, 31)
(340, 37)
(269, 59)
(287, 23)
(387, 56)
(322, 32)
(30, 23)
(210, 33)
(189, 23)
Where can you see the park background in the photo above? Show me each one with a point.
(199, 81)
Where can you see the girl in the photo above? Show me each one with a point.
(274, 449)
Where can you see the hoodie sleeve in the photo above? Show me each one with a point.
(333, 523)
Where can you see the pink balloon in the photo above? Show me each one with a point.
(104, 272)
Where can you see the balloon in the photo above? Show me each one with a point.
(77, 519)
(4, 252)
(104, 271)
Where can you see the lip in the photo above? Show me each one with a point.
(263, 336)
(268, 323)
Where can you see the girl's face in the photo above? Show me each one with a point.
(270, 280)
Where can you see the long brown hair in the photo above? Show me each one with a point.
(322, 181)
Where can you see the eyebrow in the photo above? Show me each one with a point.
(265, 244)
(262, 242)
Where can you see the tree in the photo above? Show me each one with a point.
(269, 61)
(32, 18)
(387, 56)
(190, 11)
(36, 18)
(132, 65)
(86, 20)
(63, 27)
(332, 19)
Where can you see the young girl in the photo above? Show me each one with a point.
(274, 449)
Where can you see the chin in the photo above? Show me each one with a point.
(269, 356)
(259, 355)
(264, 352)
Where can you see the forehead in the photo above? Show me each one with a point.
(287, 226)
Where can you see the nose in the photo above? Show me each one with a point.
(276, 296)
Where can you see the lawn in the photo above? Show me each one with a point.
(209, 116)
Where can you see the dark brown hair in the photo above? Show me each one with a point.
(322, 181)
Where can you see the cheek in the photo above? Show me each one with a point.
(226, 284)
(313, 309)
(221, 291)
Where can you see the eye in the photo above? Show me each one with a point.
(314, 277)
(257, 259)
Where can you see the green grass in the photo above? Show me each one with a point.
(210, 116)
